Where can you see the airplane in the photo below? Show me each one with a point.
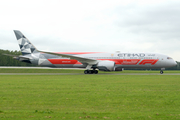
(91, 61)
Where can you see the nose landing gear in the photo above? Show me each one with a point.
(161, 72)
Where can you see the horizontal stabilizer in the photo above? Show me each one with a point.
(10, 55)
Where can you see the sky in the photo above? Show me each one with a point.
(151, 26)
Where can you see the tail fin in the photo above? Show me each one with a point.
(25, 45)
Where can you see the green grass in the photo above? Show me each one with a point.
(89, 97)
(32, 70)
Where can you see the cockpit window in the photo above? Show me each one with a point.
(169, 58)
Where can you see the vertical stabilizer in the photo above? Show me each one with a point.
(25, 45)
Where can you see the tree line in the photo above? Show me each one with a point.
(9, 61)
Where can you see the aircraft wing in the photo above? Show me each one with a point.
(76, 57)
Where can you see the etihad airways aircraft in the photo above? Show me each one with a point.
(91, 61)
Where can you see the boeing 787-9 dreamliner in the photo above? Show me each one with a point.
(91, 61)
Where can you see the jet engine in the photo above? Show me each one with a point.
(106, 65)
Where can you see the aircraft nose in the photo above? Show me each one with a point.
(174, 63)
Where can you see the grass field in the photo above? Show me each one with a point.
(89, 97)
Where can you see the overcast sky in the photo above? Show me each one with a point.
(93, 25)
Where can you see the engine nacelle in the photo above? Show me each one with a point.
(106, 65)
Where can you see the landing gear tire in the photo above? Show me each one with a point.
(90, 72)
(86, 72)
(95, 72)
(161, 72)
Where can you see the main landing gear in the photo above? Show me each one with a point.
(90, 72)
